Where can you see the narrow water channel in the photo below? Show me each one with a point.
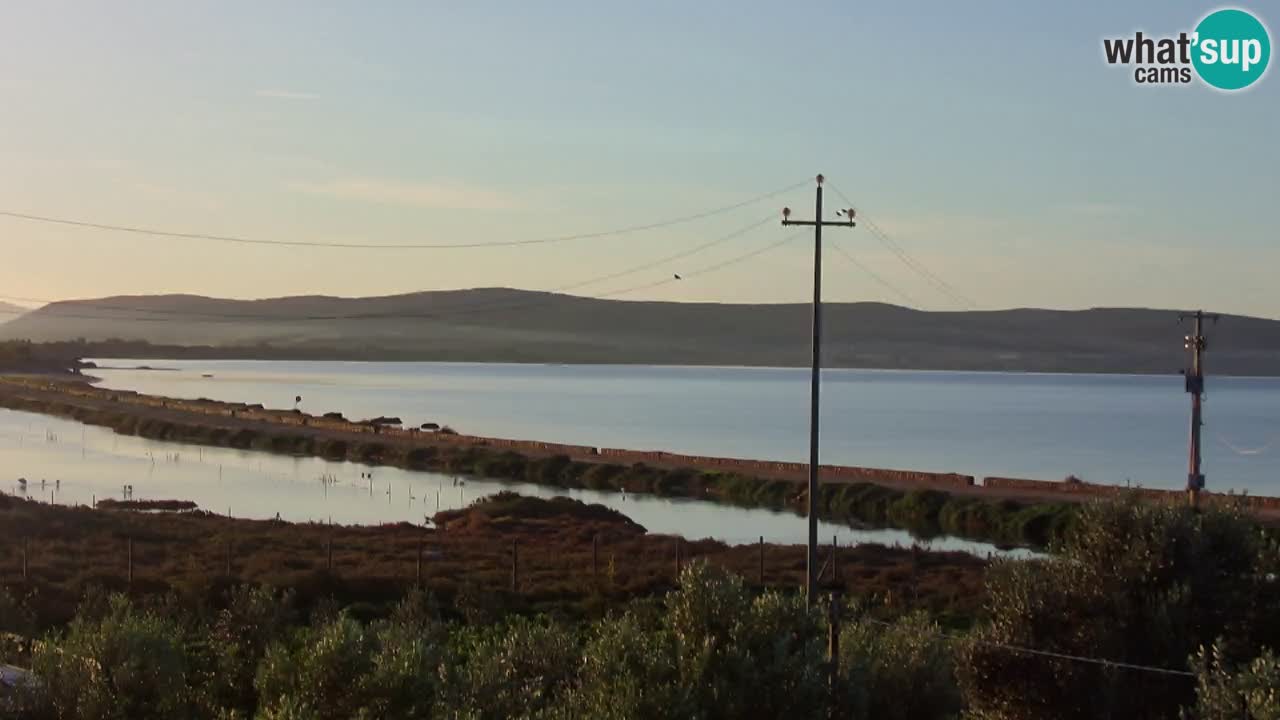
(69, 463)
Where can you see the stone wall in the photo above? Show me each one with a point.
(1084, 489)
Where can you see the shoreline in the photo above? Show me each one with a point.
(1001, 510)
(677, 366)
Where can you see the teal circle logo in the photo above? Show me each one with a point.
(1231, 49)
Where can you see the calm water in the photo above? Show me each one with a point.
(1103, 428)
(90, 462)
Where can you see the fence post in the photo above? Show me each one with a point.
(761, 561)
(418, 575)
(833, 651)
(24, 558)
(915, 581)
(835, 560)
(515, 566)
(595, 560)
(129, 560)
(328, 546)
(227, 546)
(678, 559)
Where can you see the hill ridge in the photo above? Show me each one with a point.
(510, 325)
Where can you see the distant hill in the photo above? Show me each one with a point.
(503, 325)
(9, 311)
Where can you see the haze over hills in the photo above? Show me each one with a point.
(9, 311)
(503, 325)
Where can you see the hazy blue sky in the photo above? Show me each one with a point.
(989, 138)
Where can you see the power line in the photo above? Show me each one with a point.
(186, 317)
(920, 269)
(874, 275)
(379, 246)
(745, 256)
(668, 258)
(696, 273)
(1051, 654)
(367, 316)
(942, 285)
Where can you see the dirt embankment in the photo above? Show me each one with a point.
(570, 557)
(955, 504)
(240, 415)
(880, 498)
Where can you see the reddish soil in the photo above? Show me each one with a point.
(469, 564)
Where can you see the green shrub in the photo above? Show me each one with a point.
(513, 669)
(1136, 582)
(508, 464)
(899, 671)
(603, 476)
(676, 483)
(253, 619)
(627, 672)
(918, 508)
(115, 662)
(1249, 690)
(403, 678)
(15, 615)
(742, 657)
(314, 675)
(421, 457)
(549, 471)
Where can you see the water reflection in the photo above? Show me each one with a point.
(69, 463)
(1110, 429)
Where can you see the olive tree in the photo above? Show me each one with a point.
(1138, 583)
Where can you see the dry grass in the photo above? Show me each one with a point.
(467, 567)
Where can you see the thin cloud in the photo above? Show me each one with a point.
(180, 196)
(1099, 208)
(452, 196)
(286, 95)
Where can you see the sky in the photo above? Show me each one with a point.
(989, 140)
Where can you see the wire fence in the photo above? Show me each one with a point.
(608, 563)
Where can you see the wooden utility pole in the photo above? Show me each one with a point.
(1195, 343)
(811, 575)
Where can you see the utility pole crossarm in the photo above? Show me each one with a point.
(817, 223)
(1199, 314)
(811, 223)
